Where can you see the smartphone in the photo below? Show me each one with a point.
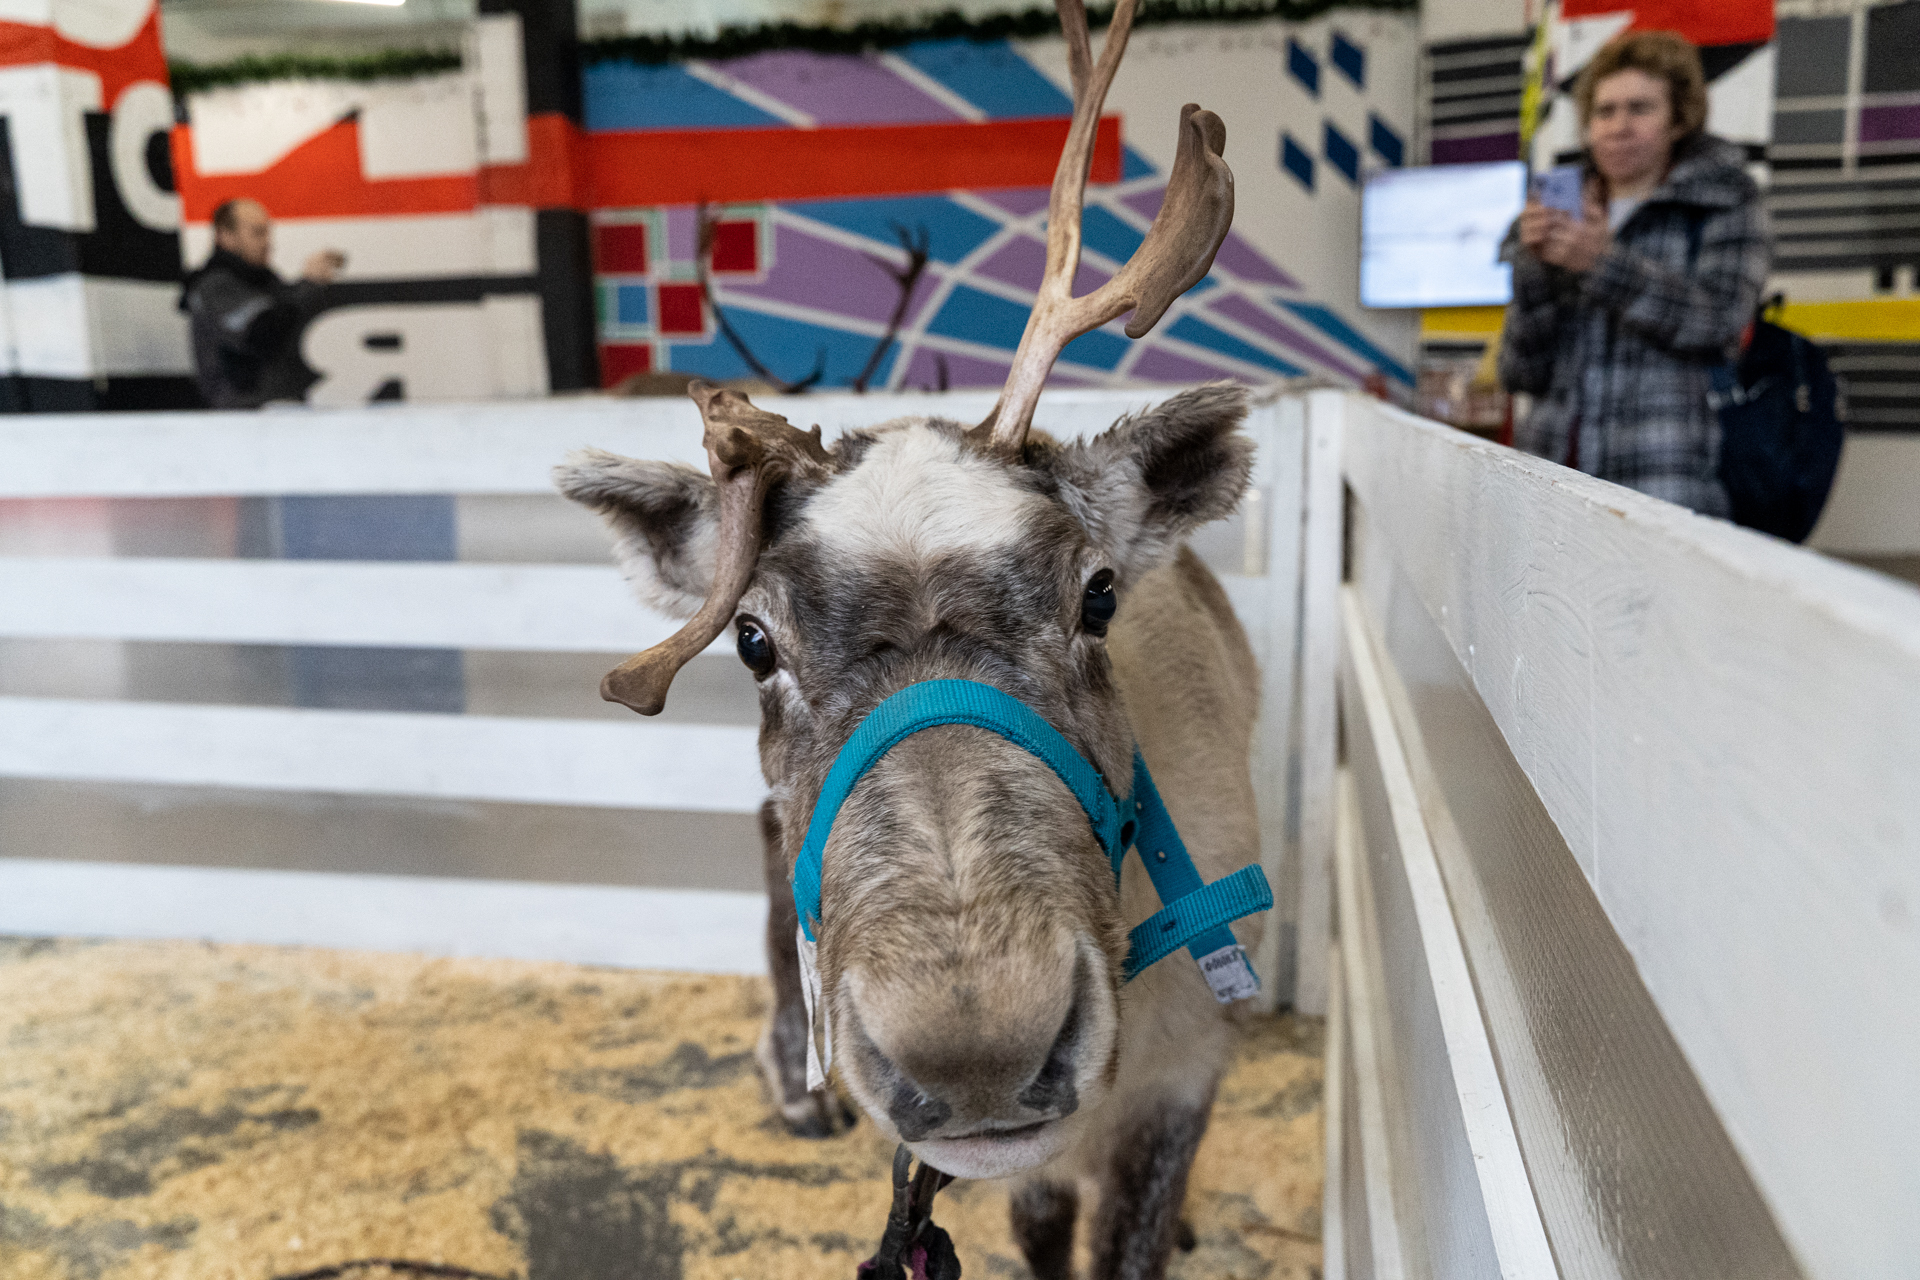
(1562, 187)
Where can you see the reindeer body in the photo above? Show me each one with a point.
(972, 945)
(973, 935)
(1190, 686)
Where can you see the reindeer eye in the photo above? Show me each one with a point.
(756, 650)
(1098, 605)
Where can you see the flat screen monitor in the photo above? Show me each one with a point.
(1431, 237)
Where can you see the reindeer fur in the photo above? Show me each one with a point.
(972, 937)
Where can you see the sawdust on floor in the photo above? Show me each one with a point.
(185, 1111)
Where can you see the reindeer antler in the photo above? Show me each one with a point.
(1178, 250)
(748, 450)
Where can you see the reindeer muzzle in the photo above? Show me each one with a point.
(1196, 914)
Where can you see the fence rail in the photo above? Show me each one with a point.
(74, 471)
(1651, 778)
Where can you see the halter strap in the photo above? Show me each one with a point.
(1196, 914)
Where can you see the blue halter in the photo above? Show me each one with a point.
(1196, 914)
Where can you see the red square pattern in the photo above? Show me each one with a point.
(621, 248)
(619, 359)
(736, 246)
(680, 309)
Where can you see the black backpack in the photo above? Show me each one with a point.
(1780, 428)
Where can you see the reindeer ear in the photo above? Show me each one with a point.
(665, 518)
(1149, 480)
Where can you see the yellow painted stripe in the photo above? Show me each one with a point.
(1868, 320)
(1478, 321)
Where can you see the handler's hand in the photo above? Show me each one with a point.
(1537, 223)
(1577, 245)
(323, 266)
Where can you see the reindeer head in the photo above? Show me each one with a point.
(970, 940)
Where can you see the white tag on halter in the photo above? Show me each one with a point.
(818, 1063)
(1229, 974)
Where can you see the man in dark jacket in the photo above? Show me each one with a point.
(1620, 315)
(246, 320)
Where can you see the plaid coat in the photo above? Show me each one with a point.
(1623, 354)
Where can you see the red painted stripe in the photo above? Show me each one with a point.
(320, 178)
(552, 178)
(1704, 22)
(24, 44)
(686, 166)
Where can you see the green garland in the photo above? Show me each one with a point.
(737, 42)
(387, 64)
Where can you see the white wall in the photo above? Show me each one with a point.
(1465, 19)
(1875, 507)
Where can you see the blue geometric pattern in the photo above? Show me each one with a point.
(986, 318)
(1341, 153)
(992, 76)
(1295, 160)
(625, 95)
(846, 353)
(1386, 144)
(953, 231)
(1097, 349)
(1101, 232)
(632, 306)
(1334, 327)
(1351, 59)
(1303, 66)
(1188, 329)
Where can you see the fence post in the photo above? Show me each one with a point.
(1272, 557)
(1320, 558)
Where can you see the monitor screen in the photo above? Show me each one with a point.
(1431, 237)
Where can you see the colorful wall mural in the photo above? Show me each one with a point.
(89, 221)
(455, 198)
(806, 283)
(825, 178)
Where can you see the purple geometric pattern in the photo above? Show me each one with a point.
(1019, 200)
(838, 90)
(1489, 146)
(1241, 309)
(826, 276)
(1024, 261)
(1165, 366)
(1890, 124)
(962, 371)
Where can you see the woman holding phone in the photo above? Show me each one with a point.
(1621, 309)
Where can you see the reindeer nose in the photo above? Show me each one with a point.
(972, 1081)
(914, 1113)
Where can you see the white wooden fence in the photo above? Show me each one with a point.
(1624, 853)
(640, 765)
(1627, 976)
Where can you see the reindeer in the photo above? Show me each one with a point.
(971, 938)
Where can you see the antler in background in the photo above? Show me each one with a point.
(1178, 249)
(748, 450)
(703, 275)
(917, 245)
